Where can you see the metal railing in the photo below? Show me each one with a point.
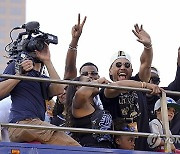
(79, 83)
(83, 130)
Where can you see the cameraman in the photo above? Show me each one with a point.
(28, 102)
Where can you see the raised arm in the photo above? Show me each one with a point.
(147, 54)
(45, 57)
(70, 64)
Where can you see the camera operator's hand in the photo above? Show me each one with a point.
(44, 55)
(25, 66)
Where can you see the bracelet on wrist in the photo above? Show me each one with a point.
(143, 84)
(72, 48)
(148, 47)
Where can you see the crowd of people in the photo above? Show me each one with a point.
(90, 107)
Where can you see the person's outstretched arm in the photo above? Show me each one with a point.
(111, 93)
(147, 54)
(45, 57)
(85, 93)
(70, 64)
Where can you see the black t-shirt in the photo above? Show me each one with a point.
(58, 120)
(125, 105)
(99, 119)
(133, 102)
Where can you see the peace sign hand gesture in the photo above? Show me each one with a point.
(77, 29)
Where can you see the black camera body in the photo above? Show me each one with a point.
(38, 42)
(30, 40)
(27, 42)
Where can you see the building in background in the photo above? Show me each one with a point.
(12, 14)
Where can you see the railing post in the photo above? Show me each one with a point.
(165, 121)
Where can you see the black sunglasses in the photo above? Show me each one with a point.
(91, 73)
(155, 79)
(126, 64)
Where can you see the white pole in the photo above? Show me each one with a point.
(165, 121)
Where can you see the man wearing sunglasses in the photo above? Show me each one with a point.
(91, 70)
(87, 69)
(130, 105)
(151, 99)
(154, 76)
(70, 67)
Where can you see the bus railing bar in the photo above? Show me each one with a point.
(82, 130)
(79, 83)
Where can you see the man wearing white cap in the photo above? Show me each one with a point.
(131, 106)
(151, 99)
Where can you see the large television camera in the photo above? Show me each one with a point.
(29, 39)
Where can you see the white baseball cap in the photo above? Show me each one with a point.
(170, 103)
(155, 70)
(120, 54)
